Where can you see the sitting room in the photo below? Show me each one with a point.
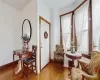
(49, 40)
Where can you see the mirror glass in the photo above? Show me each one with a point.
(26, 30)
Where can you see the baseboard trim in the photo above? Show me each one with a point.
(45, 66)
(7, 67)
(51, 60)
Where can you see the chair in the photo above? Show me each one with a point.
(90, 71)
(59, 53)
(30, 63)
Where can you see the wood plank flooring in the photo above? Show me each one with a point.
(53, 71)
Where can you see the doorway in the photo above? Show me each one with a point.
(44, 42)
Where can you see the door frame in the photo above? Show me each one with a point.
(41, 18)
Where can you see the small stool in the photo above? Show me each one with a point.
(76, 74)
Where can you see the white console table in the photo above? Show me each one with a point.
(70, 57)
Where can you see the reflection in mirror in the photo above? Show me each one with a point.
(26, 30)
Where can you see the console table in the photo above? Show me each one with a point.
(22, 55)
(73, 57)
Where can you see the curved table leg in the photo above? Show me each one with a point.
(71, 64)
(70, 71)
(13, 65)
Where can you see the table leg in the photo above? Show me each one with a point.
(21, 67)
(13, 66)
(71, 64)
(70, 68)
(21, 64)
(82, 77)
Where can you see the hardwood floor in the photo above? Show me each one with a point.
(51, 72)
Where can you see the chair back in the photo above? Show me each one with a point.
(98, 74)
(94, 54)
(34, 50)
(95, 62)
(59, 48)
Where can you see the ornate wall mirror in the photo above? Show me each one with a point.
(26, 30)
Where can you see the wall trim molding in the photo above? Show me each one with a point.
(7, 67)
(80, 5)
(66, 13)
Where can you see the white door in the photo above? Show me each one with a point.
(44, 43)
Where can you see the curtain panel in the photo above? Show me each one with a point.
(96, 24)
(66, 31)
(81, 25)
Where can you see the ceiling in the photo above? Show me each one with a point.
(18, 4)
(58, 3)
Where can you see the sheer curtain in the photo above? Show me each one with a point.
(96, 24)
(66, 30)
(81, 25)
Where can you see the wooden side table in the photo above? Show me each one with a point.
(22, 55)
(73, 57)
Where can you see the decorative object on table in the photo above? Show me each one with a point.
(45, 35)
(26, 34)
(72, 47)
(25, 40)
(59, 53)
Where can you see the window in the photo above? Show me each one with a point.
(81, 25)
(66, 30)
(96, 24)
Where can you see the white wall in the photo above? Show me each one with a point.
(67, 9)
(44, 12)
(51, 15)
(71, 7)
(30, 12)
(11, 28)
(55, 30)
(9, 32)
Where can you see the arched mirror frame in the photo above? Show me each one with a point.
(29, 26)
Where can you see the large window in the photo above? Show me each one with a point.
(81, 25)
(66, 30)
(96, 24)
